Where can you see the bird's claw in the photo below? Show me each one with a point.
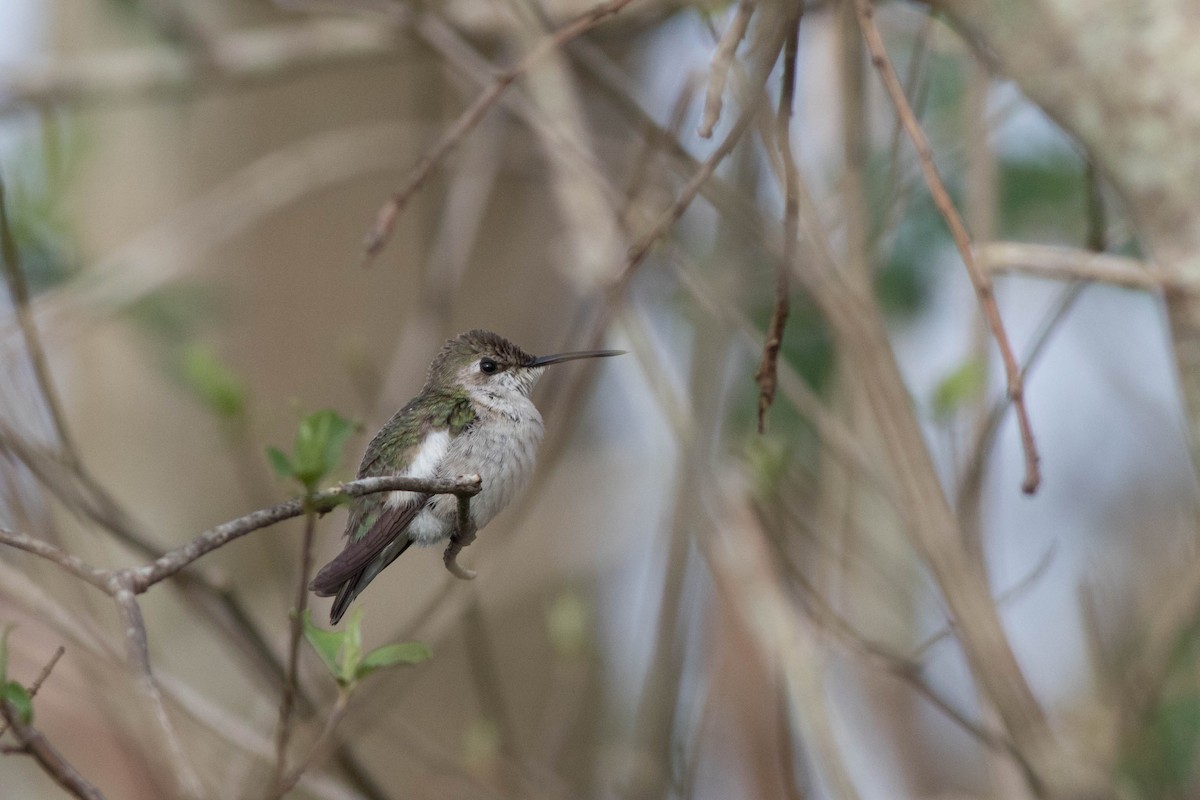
(463, 536)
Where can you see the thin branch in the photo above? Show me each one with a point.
(137, 649)
(907, 668)
(722, 61)
(99, 578)
(641, 248)
(768, 369)
(34, 743)
(1008, 595)
(18, 288)
(123, 585)
(37, 683)
(1072, 264)
(389, 214)
(287, 700)
(962, 239)
(169, 564)
(319, 745)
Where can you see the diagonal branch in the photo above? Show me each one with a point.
(958, 230)
(722, 61)
(18, 289)
(172, 562)
(389, 214)
(37, 683)
(34, 743)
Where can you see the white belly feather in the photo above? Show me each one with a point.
(500, 447)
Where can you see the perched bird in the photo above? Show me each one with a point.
(473, 417)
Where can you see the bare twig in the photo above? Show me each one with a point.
(389, 214)
(73, 564)
(18, 288)
(34, 743)
(319, 745)
(1072, 264)
(768, 368)
(123, 585)
(137, 648)
(210, 540)
(962, 239)
(287, 700)
(1029, 580)
(37, 683)
(641, 248)
(722, 60)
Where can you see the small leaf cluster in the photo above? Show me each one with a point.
(342, 651)
(316, 450)
(12, 692)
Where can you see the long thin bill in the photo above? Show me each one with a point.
(542, 361)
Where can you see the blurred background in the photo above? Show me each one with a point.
(679, 606)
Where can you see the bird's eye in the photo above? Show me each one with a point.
(487, 366)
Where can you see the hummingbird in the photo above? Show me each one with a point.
(473, 417)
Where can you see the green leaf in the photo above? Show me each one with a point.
(391, 655)
(964, 384)
(280, 462)
(4, 651)
(318, 448)
(213, 382)
(328, 644)
(18, 696)
(352, 647)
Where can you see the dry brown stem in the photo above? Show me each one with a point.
(962, 239)
(389, 214)
(1071, 264)
(18, 289)
(39, 680)
(722, 61)
(287, 699)
(123, 585)
(768, 368)
(34, 743)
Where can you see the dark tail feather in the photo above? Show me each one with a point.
(352, 585)
(345, 597)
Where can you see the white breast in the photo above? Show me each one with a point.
(425, 465)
